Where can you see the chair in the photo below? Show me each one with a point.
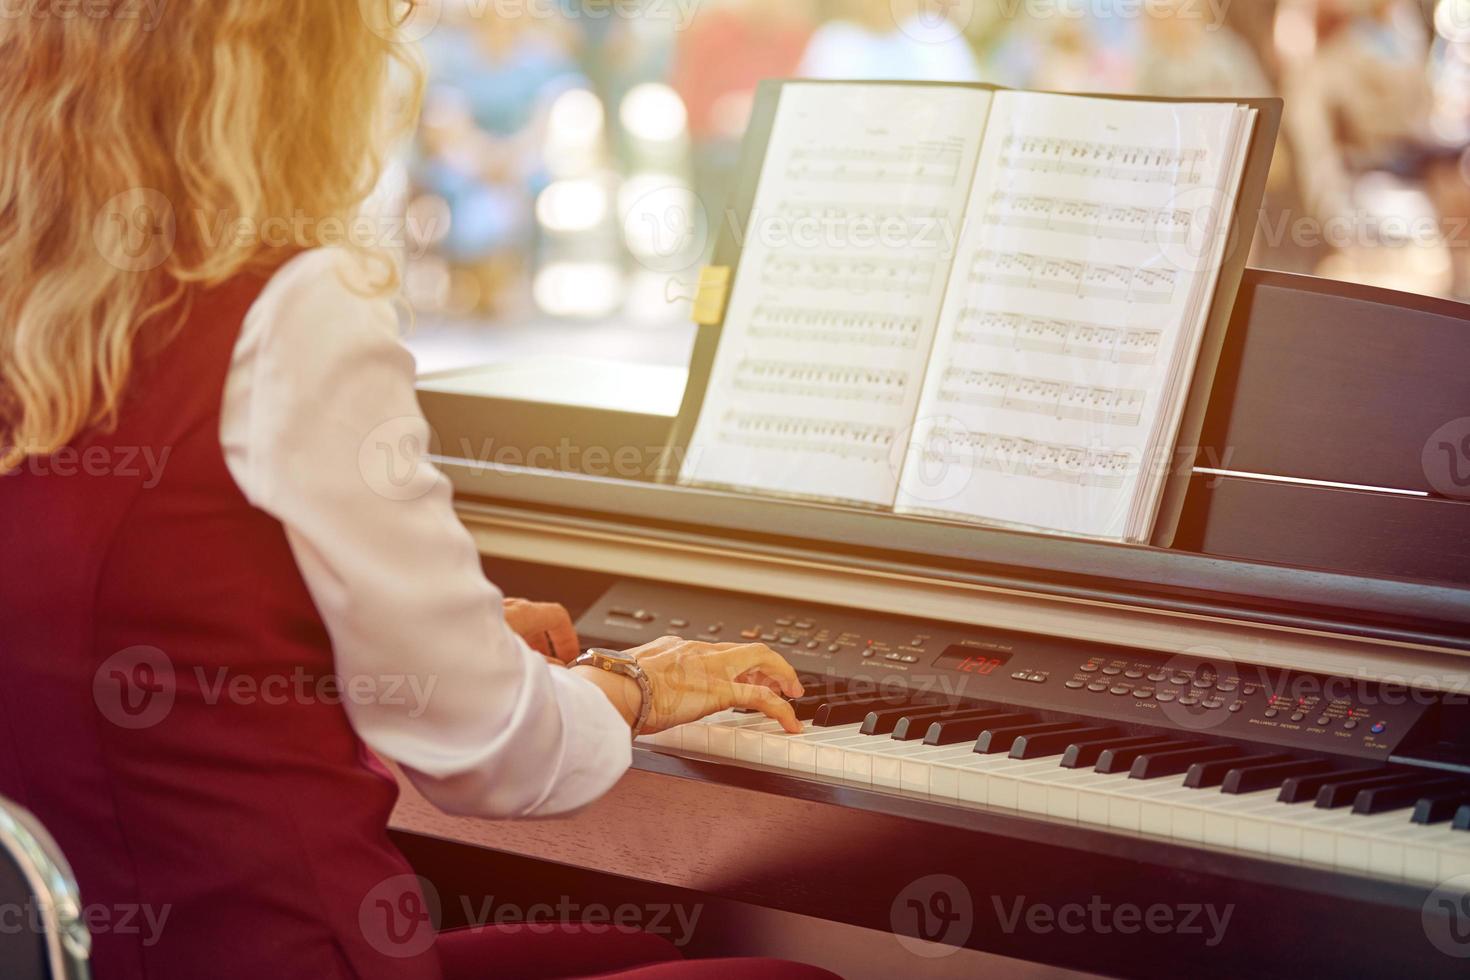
(42, 935)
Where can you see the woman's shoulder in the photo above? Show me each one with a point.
(331, 292)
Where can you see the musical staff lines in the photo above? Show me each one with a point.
(1093, 219)
(1043, 396)
(1031, 458)
(850, 273)
(1111, 161)
(1051, 335)
(934, 162)
(846, 440)
(1089, 280)
(822, 381)
(835, 326)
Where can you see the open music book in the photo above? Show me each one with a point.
(971, 304)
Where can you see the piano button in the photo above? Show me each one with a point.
(1297, 716)
(1112, 670)
(788, 639)
(678, 624)
(1166, 696)
(1440, 806)
(1084, 753)
(1189, 701)
(1203, 682)
(1157, 675)
(1121, 759)
(883, 721)
(835, 713)
(769, 637)
(833, 647)
(995, 740)
(1300, 789)
(1180, 678)
(1154, 764)
(1120, 689)
(1096, 686)
(1074, 685)
(1055, 743)
(914, 729)
(1272, 712)
(1226, 687)
(1142, 693)
(1350, 724)
(1133, 674)
(1339, 794)
(1386, 798)
(784, 621)
(1324, 720)
(1203, 775)
(1248, 779)
(803, 624)
(1235, 707)
(1213, 703)
(1088, 668)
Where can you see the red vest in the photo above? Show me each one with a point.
(167, 708)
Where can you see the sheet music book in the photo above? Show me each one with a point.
(971, 304)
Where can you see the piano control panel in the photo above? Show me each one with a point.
(1199, 690)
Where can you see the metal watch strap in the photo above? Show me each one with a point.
(618, 663)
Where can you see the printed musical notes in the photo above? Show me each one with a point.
(1134, 284)
(1043, 396)
(822, 327)
(1054, 335)
(935, 162)
(1110, 161)
(1032, 458)
(1122, 222)
(808, 436)
(810, 380)
(854, 274)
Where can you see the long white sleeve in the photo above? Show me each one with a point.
(321, 429)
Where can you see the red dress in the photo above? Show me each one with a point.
(167, 711)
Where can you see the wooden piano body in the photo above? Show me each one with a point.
(1327, 529)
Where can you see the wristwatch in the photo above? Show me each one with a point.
(619, 662)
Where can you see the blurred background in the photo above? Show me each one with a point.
(571, 169)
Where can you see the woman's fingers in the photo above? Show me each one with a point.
(759, 657)
(767, 702)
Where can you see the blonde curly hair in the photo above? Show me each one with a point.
(134, 150)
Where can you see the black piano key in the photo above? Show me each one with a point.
(1300, 789)
(1439, 807)
(1055, 743)
(1334, 795)
(806, 706)
(1248, 779)
(1121, 760)
(883, 721)
(916, 727)
(1385, 798)
(999, 738)
(835, 713)
(1203, 775)
(1084, 754)
(1153, 764)
(1462, 818)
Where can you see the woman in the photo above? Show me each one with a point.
(214, 602)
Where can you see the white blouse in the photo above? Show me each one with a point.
(321, 429)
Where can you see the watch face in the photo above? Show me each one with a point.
(614, 654)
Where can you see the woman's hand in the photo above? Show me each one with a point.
(692, 679)
(546, 627)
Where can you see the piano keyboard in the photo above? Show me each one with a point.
(1397, 822)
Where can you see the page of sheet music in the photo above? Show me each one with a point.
(844, 263)
(1076, 281)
